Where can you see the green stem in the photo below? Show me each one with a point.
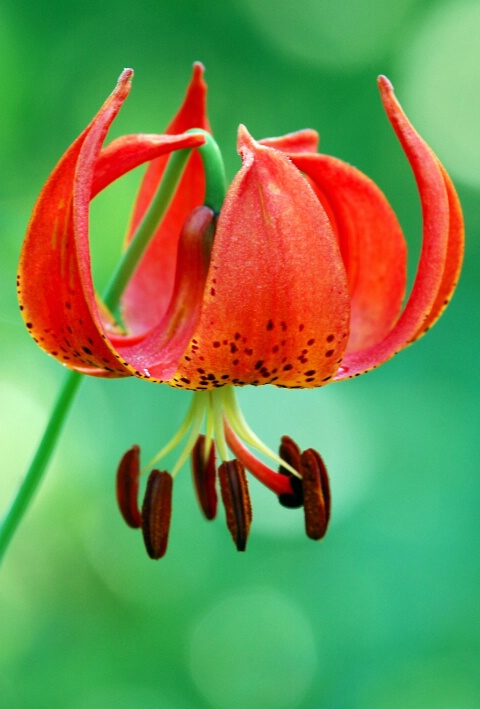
(40, 460)
(146, 228)
(215, 180)
(215, 192)
(214, 196)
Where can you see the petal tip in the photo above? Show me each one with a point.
(198, 69)
(125, 76)
(384, 84)
(124, 83)
(245, 142)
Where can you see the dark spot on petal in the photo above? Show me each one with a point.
(329, 353)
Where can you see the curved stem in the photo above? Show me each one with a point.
(40, 460)
(215, 180)
(146, 229)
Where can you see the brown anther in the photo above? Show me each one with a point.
(238, 509)
(204, 474)
(316, 493)
(290, 453)
(156, 513)
(127, 487)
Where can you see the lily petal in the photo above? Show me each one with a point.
(128, 152)
(442, 239)
(302, 141)
(57, 304)
(289, 326)
(56, 292)
(147, 296)
(371, 242)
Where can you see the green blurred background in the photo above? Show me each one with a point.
(385, 612)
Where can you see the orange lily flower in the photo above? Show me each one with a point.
(299, 281)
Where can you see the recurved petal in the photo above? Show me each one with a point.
(128, 152)
(54, 282)
(148, 294)
(442, 246)
(371, 243)
(302, 141)
(156, 355)
(453, 261)
(276, 303)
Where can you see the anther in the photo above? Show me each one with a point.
(127, 487)
(290, 453)
(156, 513)
(316, 492)
(204, 473)
(238, 509)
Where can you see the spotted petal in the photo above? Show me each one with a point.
(56, 292)
(371, 242)
(276, 304)
(442, 246)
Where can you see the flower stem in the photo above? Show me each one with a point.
(214, 195)
(40, 460)
(215, 180)
(146, 228)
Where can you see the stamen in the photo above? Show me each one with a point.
(204, 473)
(279, 484)
(156, 513)
(239, 425)
(316, 491)
(238, 509)
(209, 432)
(128, 473)
(290, 452)
(178, 436)
(201, 402)
(217, 411)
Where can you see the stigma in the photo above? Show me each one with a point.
(222, 449)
